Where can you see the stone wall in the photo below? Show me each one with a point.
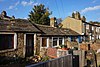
(20, 45)
(15, 52)
(38, 46)
(43, 50)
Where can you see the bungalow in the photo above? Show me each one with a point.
(54, 37)
(21, 38)
(17, 38)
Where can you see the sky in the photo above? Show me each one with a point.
(59, 8)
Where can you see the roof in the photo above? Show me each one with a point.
(17, 25)
(69, 31)
(48, 30)
(22, 25)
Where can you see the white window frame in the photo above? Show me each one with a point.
(15, 38)
(58, 41)
(47, 42)
(92, 27)
(61, 39)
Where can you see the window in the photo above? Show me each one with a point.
(55, 41)
(44, 42)
(73, 39)
(6, 41)
(60, 41)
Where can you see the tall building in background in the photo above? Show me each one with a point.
(91, 31)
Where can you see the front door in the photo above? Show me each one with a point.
(29, 45)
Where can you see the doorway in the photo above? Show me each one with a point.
(29, 45)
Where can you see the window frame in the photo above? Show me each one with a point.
(58, 38)
(53, 41)
(61, 39)
(47, 42)
(14, 39)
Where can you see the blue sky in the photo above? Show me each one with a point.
(60, 8)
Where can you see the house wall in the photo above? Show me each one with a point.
(82, 28)
(38, 45)
(43, 50)
(93, 32)
(73, 24)
(65, 41)
(15, 52)
(20, 45)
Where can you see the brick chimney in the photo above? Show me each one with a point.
(53, 22)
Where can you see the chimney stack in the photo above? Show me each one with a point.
(53, 22)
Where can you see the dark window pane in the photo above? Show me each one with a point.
(44, 42)
(6, 41)
(60, 41)
(54, 41)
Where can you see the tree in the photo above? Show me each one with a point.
(40, 15)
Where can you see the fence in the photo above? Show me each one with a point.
(65, 61)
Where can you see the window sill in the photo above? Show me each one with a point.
(7, 50)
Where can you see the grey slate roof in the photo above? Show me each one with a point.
(22, 25)
(48, 30)
(18, 25)
(69, 32)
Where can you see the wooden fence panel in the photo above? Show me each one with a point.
(65, 61)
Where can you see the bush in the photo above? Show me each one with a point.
(45, 58)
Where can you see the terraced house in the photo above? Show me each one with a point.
(19, 37)
(90, 31)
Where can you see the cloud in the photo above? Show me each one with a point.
(30, 3)
(13, 6)
(24, 3)
(90, 9)
(94, 1)
(17, 3)
(35, 4)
